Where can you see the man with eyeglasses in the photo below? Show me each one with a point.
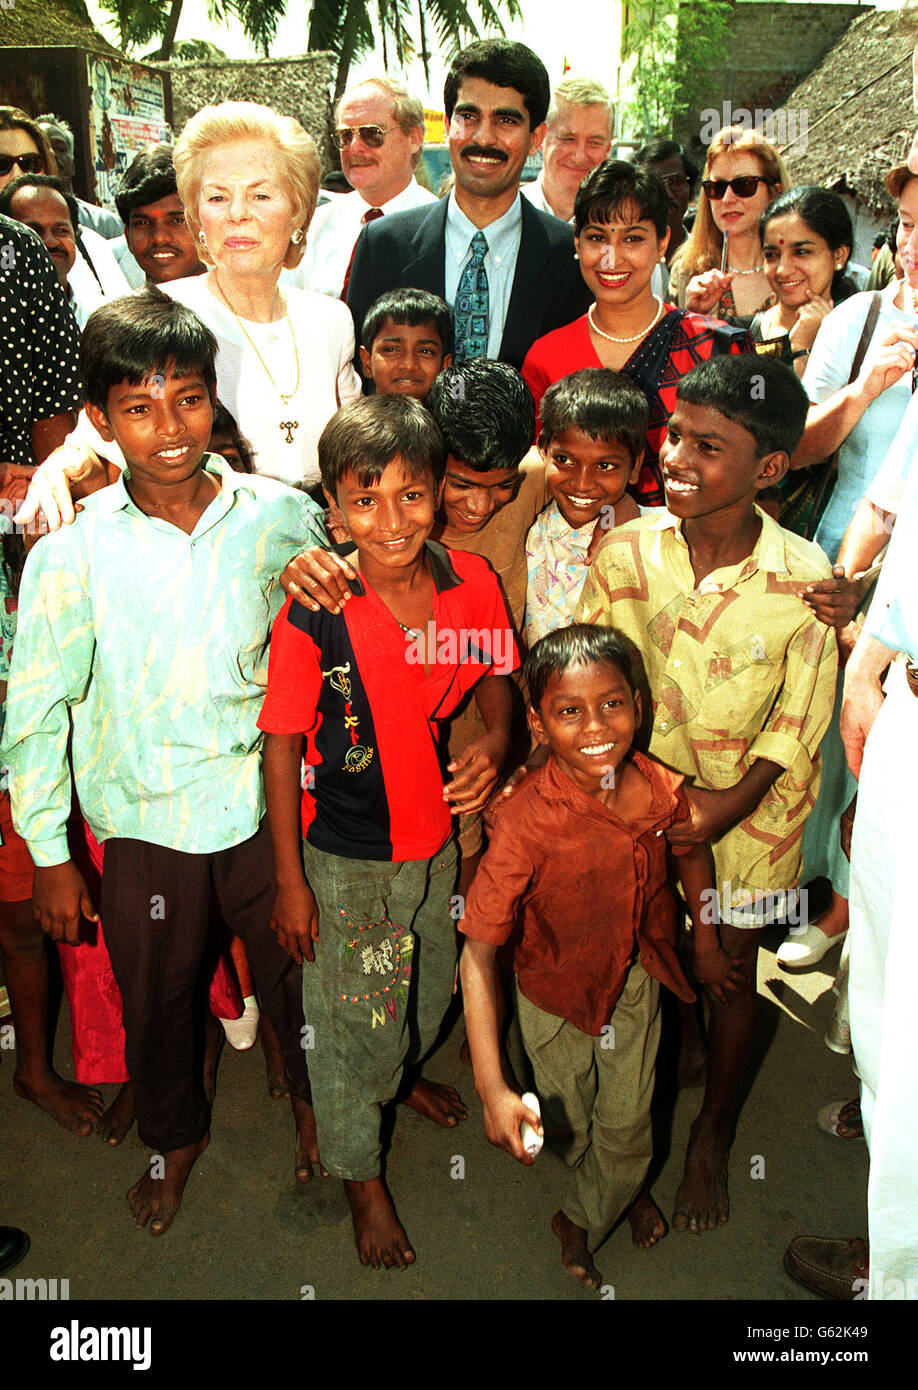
(578, 136)
(379, 131)
(506, 269)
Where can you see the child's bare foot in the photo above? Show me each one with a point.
(575, 1252)
(437, 1102)
(648, 1224)
(75, 1107)
(115, 1122)
(274, 1060)
(307, 1142)
(158, 1199)
(701, 1201)
(380, 1236)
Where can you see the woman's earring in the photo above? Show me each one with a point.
(297, 236)
(202, 239)
(576, 255)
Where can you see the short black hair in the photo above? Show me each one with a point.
(132, 338)
(411, 307)
(486, 413)
(366, 435)
(604, 404)
(580, 644)
(40, 181)
(616, 184)
(225, 423)
(149, 177)
(657, 151)
(762, 394)
(503, 63)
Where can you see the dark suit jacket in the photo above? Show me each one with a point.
(408, 248)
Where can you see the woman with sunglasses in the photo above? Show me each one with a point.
(720, 268)
(24, 147)
(621, 232)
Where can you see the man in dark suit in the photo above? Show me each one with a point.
(507, 270)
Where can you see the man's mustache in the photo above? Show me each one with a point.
(485, 151)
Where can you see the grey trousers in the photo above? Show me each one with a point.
(595, 1096)
(376, 993)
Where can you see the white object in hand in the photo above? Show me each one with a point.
(532, 1142)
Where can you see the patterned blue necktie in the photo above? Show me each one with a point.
(470, 313)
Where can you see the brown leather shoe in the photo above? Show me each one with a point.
(834, 1268)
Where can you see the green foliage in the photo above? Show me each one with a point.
(352, 28)
(675, 44)
(196, 51)
(141, 21)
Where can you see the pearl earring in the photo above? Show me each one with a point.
(576, 256)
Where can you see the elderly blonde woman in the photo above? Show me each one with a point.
(248, 180)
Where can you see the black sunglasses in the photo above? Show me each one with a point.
(27, 163)
(744, 187)
(371, 135)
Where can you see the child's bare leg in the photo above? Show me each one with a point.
(114, 1124)
(25, 969)
(835, 918)
(157, 1199)
(575, 1251)
(701, 1201)
(274, 1059)
(380, 1236)
(693, 1055)
(307, 1142)
(648, 1224)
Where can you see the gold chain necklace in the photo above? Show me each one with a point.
(288, 425)
(634, 337)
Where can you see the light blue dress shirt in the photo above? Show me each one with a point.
(503, 238)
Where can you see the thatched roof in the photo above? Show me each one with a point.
(860, 118)
(296, 87)
(52, 24)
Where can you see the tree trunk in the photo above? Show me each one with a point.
(172, 24)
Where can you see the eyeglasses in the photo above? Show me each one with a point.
(744, 187)
(371, 135)
(26, 163)
(677, 182)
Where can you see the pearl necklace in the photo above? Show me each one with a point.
(286, 396)
(634, 337)
(755, 270)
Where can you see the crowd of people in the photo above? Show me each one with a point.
(506, 569)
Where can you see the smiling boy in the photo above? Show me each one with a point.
(576, 877)
(142, 640)
(371, 829)
(742, 679)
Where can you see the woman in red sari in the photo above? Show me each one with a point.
(621, 233)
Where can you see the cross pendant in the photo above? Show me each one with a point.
(289, 426)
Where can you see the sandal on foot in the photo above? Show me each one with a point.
(834, 1268)
(830, 1116)
(241, 1032)
(799, 949)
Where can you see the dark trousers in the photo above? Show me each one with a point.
(155, 906)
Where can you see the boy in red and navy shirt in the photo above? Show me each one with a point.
(363, 899)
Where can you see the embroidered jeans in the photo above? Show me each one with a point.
(376, 993)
